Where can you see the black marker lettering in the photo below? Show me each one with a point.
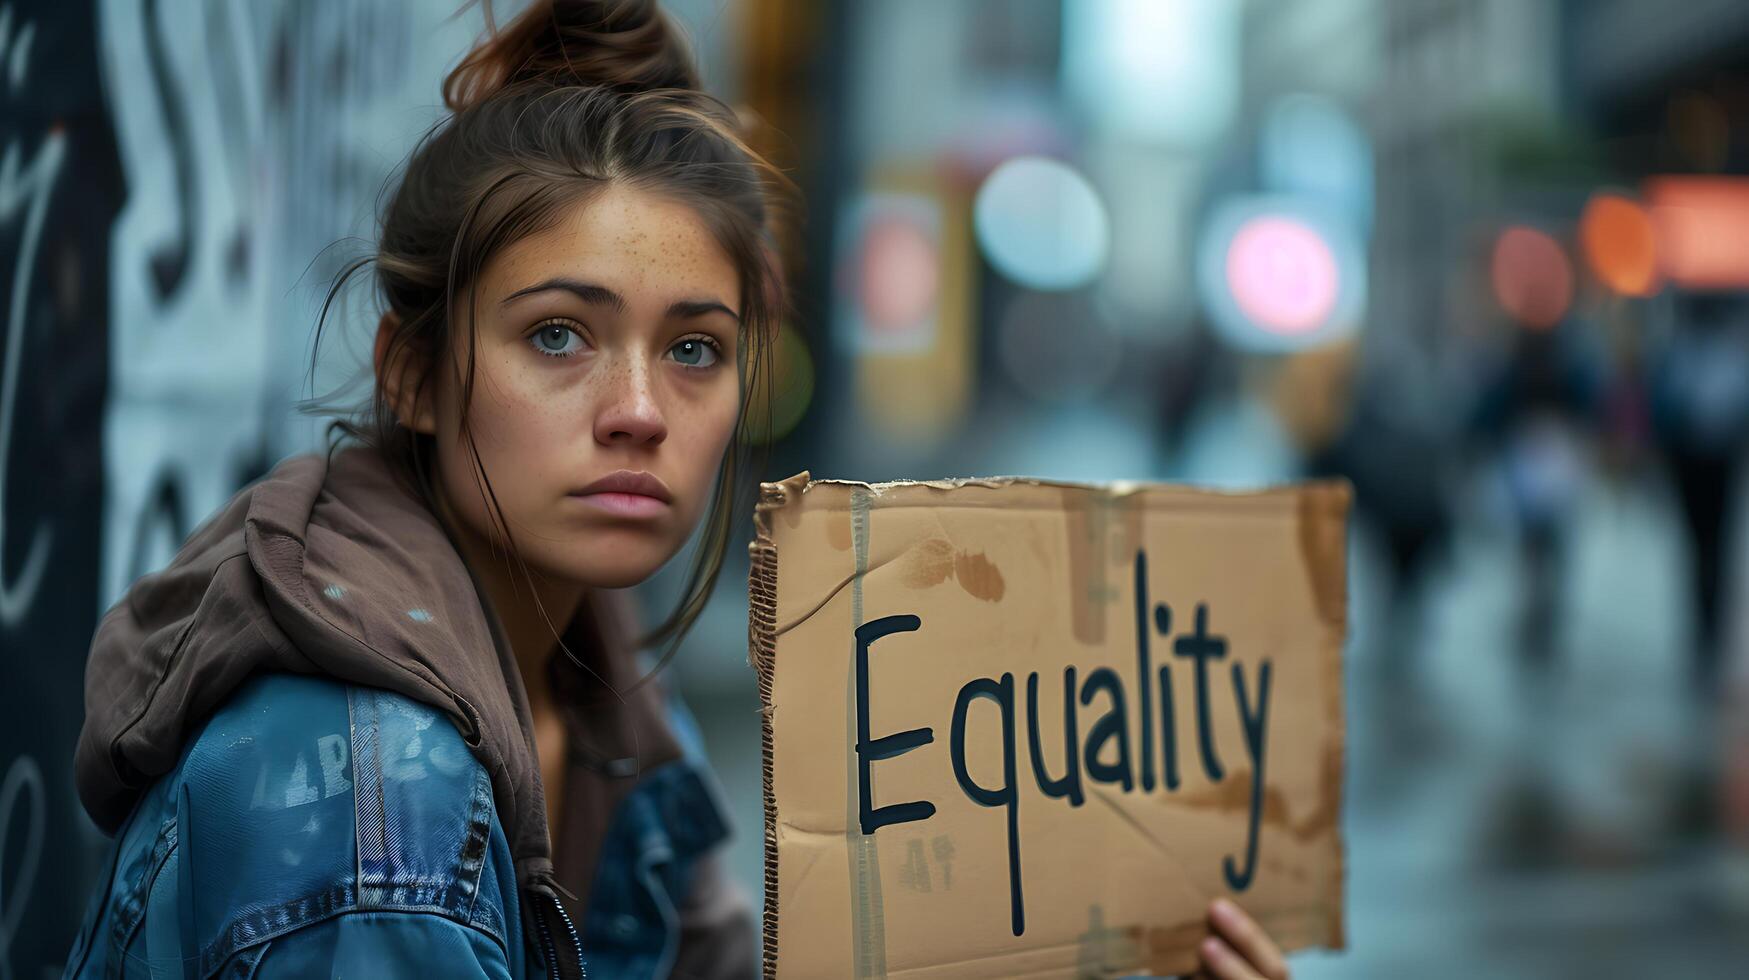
(1002, 693)
(1069, 784)
(1168, 712)
(1114, 724)
(1143, 662)
(1254, 732)
(1200, 647)
(886, 747)
(1168, 729)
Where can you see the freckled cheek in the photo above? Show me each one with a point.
(521, 424)
(702, 428)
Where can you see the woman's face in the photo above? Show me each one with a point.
(605, 388)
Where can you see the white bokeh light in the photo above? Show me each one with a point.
(1042, 224)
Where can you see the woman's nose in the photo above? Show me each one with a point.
(632, 413)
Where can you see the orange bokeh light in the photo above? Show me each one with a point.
(1532, 278)
(1620, 245)
(1703, 230)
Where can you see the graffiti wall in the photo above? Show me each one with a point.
(179, 180)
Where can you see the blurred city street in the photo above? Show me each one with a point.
(1498, 828)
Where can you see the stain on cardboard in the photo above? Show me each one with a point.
(838, 531)
(927, 564)
(933, 561)
(979, 576)
(1323, 542)
(1233, 794)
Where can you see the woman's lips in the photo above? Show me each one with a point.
(623, 504)
(627, 494)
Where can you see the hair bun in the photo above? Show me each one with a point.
(628, 45)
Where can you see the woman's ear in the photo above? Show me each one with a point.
(399, 378)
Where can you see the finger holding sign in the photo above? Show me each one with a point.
(1239, 949)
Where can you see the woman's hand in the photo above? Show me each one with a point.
(1238, 949)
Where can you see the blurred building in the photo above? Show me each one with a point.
(1620, 52)
(1335, 49)
(1452, 70)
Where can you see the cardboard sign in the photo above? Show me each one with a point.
(1025, 729)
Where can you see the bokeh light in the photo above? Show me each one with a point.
(1280, 273)
(899, 273)
(775, 410)
(1155, 71)
(1309, 145)
(1702, 225)
(1041, 224)
(889, 276)
(1620, 247)
(1532, 278)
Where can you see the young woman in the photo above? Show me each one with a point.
(378, 717)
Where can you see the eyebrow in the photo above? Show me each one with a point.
(600, 295)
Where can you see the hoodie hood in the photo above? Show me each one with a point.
(327, 565)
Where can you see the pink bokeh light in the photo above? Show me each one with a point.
(900, 274)
(1283, 275)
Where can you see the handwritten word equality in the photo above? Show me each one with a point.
(1120, 767)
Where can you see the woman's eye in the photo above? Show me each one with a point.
(694, 352)
(555, 340)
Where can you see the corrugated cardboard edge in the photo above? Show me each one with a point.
(1323, 507)
(761, 646)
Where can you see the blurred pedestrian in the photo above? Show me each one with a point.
(1538, 414)
(1700, 409)
(1394, 452)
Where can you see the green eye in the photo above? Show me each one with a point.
(694, 352)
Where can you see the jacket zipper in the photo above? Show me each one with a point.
(546, 946)
(576, 942)
(554, 968)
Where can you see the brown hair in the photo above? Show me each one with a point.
(568, 98)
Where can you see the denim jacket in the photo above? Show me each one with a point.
(314, 827)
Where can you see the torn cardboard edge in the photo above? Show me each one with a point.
(1323, 508)
(761, 647)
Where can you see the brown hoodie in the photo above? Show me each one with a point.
(258, 587)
